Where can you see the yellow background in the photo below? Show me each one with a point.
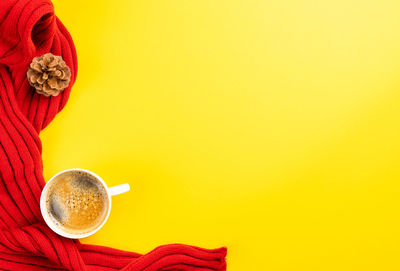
(271, 127)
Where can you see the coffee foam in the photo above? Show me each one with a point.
(77, 202)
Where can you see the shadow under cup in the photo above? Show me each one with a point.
(76, 203)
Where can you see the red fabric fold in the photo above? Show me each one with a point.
(29, 28)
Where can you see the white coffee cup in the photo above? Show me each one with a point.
(111, 191)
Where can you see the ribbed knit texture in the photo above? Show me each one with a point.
(29, 28)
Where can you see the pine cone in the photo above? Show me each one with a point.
(49, 74)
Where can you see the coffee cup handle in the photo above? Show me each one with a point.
(118, 189)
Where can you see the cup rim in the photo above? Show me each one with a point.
(52, 225)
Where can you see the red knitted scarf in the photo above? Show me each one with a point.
(29, 28)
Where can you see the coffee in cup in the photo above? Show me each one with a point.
(75, 203)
